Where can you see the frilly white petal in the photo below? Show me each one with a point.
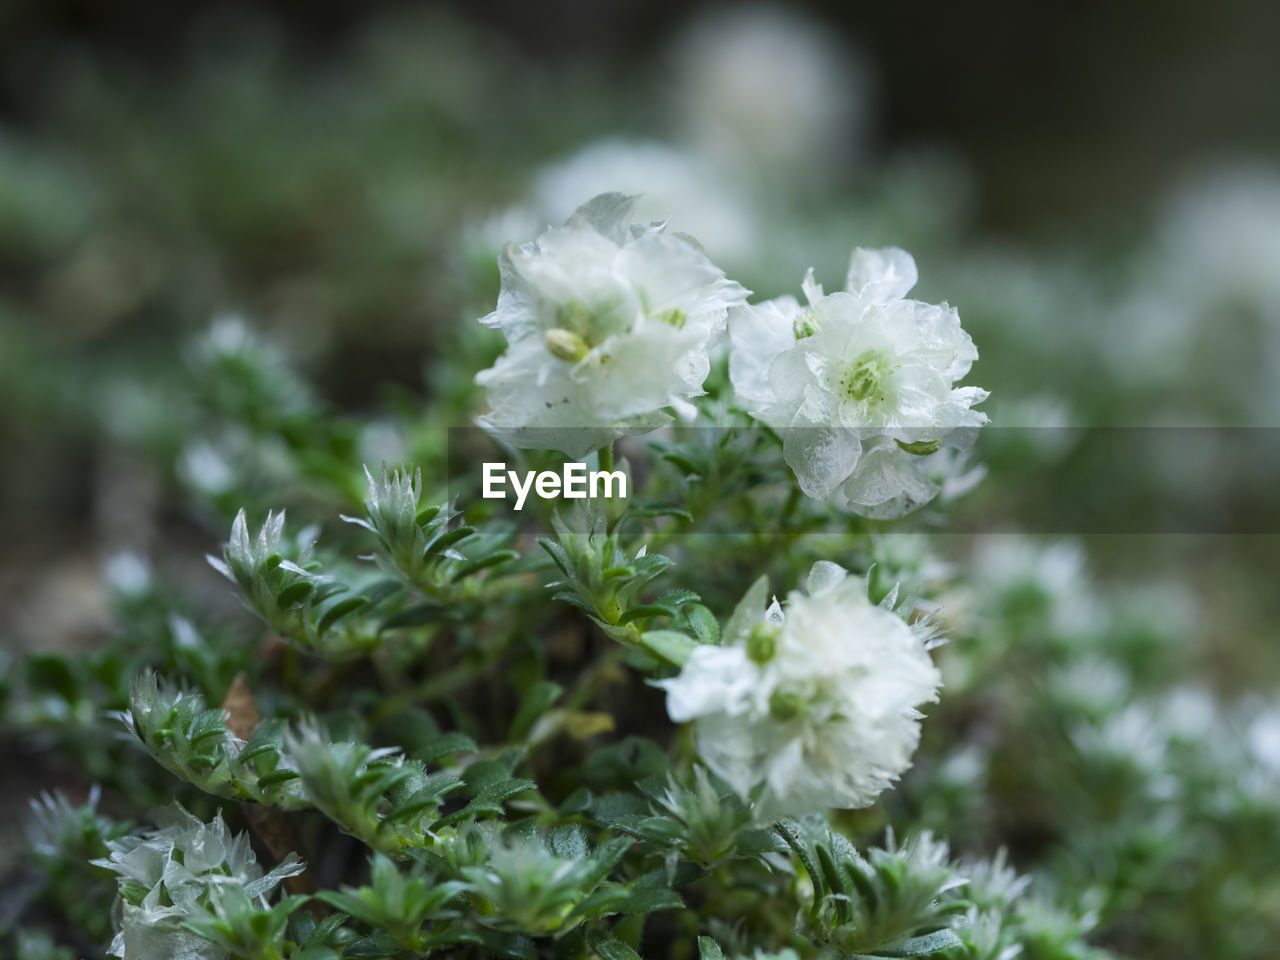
(824, 577)
(881, 275)
(821, 456)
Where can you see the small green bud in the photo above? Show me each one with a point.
(762, 642)
(921, 448)
(806, 325)
(784, 705)
(566, 344)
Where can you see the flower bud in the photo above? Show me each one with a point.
(762, 642)
(566, 344)
(785, 705)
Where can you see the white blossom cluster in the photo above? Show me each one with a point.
(812, 705)
(173, 875)
(862, 383)
(611, 326)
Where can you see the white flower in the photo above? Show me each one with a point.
(608, 326)
(861, 383)
(816, 704)
(127, 574)
(1264, 739)
(172, 874)
(1050, 582)
(767, 88)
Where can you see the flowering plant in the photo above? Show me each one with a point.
(590, 729)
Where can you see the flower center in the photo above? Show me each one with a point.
(786, 705)
(805, 325)
(863, 379)
(589, 325)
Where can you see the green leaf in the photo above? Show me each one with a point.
(610, 948)
(537, 701)
(928, 945)
(209, 724)
(418, 616)
(510, 945)
(279, 776)
(340, 610)
(702, 623)
(655, 508)
(649, 899)
(568, 842)
(446, 744)
(792, 832)
(325, 929)
(446, 540)
(426, 798)
(708, 949)
(484, 563)
(646, 610)
(668, 645)
(294, 594)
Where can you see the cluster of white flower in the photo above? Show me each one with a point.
(609, 326)
(810, 706)
(862, 383)
(173, 875)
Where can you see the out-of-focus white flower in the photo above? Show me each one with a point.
(1136, 738)
(204, 467)
(816, 704)
(1264, 739)
(1220, 237)
(1205, 315)
(1048, 581)
(608, 327)
(672, 185)
(862, 384)
(170, 875)
(1093, 686)
(127, 573)
(381, 441)
(763, 86)
(907, 559)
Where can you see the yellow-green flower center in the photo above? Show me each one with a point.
(863, 379)
(786, 705)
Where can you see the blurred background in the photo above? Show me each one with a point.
(1096, 187)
